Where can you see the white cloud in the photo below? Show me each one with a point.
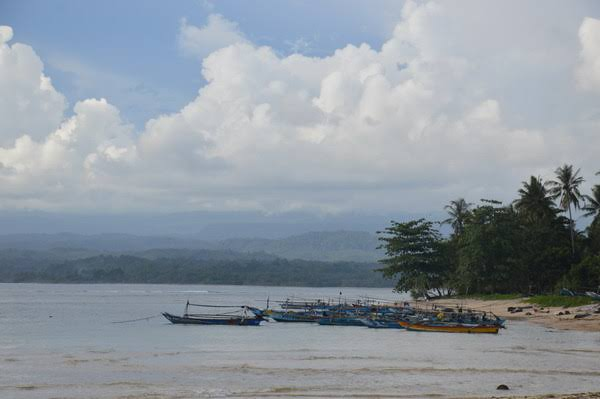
(588, 73)
(424, 119)
(28, 101)
(201, 41)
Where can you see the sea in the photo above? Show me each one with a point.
(110, 341)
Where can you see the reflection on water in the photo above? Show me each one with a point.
(60, 341)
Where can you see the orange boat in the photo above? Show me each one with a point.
(404, 324)
(451, 328)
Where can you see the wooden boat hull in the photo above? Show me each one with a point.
(234, 321)
(465, 329)
(294, 319)
(341, 321)
(371, 323)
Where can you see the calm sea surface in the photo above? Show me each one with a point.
(59, 341)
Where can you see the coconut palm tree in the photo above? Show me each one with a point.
(534, 202)
(459, 211)
(566, 189)
(592, 202)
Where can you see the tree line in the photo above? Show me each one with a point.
(529, 246)
(244, 270)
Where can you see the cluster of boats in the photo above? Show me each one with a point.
(369, 314)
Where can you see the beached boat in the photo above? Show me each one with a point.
(452, 328)
(241, 316)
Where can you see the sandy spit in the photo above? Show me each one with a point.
(548, 317)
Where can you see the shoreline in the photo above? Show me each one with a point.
(582, 395)
(546, 316)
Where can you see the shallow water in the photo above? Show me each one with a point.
(60, 341)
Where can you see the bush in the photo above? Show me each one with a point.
(559, 300)
(585, 275)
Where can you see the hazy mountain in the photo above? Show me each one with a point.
(339, 258)
(98, 242)
(354, 246)
(208, 226)
(322, 246)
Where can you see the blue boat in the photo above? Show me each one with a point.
(286, 316)
(341, 321)
(294, 317)
(381, 323)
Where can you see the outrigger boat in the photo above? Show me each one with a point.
(234, 318)
(381, 323)
(340, 321)
(286, 316)
(452, 328)
(295, 317)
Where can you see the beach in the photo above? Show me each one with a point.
(547, 316)
(586, 395)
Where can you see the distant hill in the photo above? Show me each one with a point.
(354, 246)
(97, 242)
(321, 246)
(208, 267)
(340, 258)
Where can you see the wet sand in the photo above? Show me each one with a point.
(587, 395)
(547, 316)
(283, 394)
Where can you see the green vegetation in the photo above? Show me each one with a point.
(524, 248)
(186, 267)
(490, 297)
(558, 300)
(418, 255)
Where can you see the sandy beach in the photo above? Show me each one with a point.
(586, 395)
(553, 317)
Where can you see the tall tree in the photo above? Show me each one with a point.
(488, 255)
(592, 203)
(592, 209)
(417, 255)
(566, 189)
(459, 211)
(534, 202)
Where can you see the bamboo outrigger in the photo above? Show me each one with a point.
(235, 318)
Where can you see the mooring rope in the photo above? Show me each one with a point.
(131, 321)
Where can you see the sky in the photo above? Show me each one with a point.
(275, 107)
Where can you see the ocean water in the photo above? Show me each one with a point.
(60, 341)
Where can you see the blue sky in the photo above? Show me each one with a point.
(131, 49)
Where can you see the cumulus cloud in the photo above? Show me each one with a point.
(28, 101)
(201, 41)
(588, 73)
(421, 120)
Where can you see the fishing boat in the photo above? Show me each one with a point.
(340, 321)
(286, 316)
(241, 316)
(294, 317)
(452, 328)
(381, 323)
